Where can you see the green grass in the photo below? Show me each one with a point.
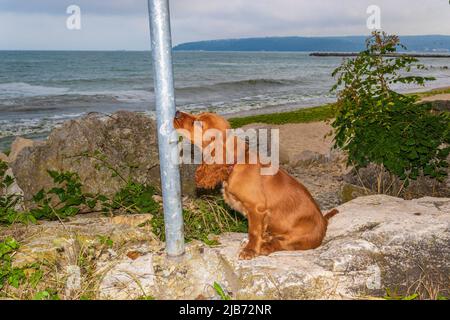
(205, 216)
(320, 113)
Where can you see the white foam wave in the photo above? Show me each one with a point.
(13, 90)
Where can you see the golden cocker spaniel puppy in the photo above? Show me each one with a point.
(281, 213)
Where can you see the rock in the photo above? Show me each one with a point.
(18, 145)
(305, 158)
(60, 243)
(350, 192)
(375, 243)
(374, 177)
(104, 151)
(441, 105)
(14, 190)
(156, 275)
(73, 282)
(440, 102)
(128, 278)
(4, 157)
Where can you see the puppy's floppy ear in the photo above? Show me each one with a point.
(208, 176)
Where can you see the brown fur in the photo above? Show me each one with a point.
(282, 214)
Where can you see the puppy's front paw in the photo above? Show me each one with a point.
(267, 248)
(247, 254)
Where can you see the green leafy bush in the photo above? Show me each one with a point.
(375, 124)
(64, 200)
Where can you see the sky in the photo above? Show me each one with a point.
(123, 24)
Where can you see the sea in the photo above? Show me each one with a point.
(41, 89)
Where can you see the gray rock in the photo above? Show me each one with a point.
(128, 279)
(14, 190)
(18, 145)
(350, 191)
(91, 146)
(306, 157)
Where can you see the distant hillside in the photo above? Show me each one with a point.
(336, 44)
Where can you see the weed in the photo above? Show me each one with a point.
(47, 294)
(132, 198)
(106, 241)
(29, 275)
(393, 295)
(219, 290)
(203, 217)
(68, 195)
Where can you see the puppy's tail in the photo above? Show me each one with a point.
(331, 214)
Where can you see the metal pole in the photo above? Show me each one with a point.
(165, 112)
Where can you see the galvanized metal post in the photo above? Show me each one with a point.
(165, 112)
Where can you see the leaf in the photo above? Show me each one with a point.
(47, 294)
(39, 196)
(221, 292)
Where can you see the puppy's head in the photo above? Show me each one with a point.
(189, 126)
(186, 124)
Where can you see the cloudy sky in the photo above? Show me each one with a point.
(123, 24)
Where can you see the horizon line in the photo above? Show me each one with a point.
(227, 39)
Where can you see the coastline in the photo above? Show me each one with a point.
(425, 92)
(315, 113)
(278, 115)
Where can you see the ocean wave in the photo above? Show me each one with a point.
(23, 127)
(130, 95)
(13, 90)
(238, 86)
(20, 97)
(256, 82)
(49, 103)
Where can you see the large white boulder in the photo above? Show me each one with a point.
(375, 243)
